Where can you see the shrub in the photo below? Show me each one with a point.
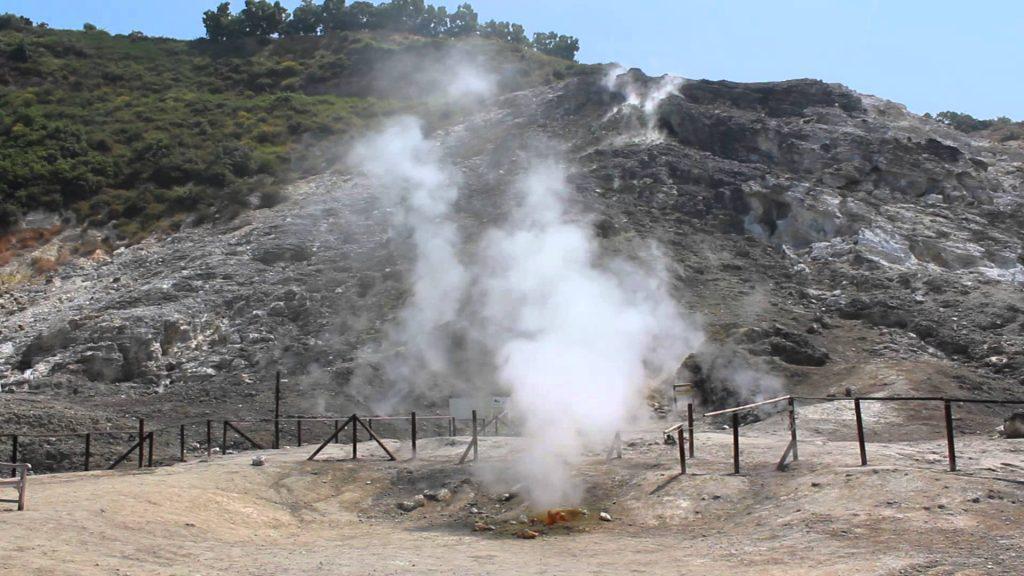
(10, 21)
(10, 215)
(19, 53)
(271, 197)
(43, 265)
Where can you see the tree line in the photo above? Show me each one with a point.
(967, 123)
(263, 19)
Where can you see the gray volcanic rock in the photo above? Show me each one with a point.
(786, 345)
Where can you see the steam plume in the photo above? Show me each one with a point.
(574, 335)
(577, 340)
(419, 188)
(642, 97)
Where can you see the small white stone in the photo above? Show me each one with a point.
(605, 517)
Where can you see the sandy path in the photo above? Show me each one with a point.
(902, 515)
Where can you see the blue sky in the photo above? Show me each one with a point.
(931, 55)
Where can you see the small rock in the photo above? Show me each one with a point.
(605, 517)
(439, 495)
(259, 460)
(996, 361)
(481, 527)
(410, 505)
(527, 534)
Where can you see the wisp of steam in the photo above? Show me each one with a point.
(641, 100)
(575, 336)
(419, 189)
(577, 339)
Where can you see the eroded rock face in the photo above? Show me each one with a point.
(201, 320)
(850, 176)
(786, 345)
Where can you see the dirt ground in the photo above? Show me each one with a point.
(903, 514)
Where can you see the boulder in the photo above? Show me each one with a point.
(1013, 426)
(786, 345)
(410, 505)
(438, 495)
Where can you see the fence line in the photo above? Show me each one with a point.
(142, 439)
(791, 449)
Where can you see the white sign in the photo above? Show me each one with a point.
(462, 408)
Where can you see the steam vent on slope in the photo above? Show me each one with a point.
(542, 311)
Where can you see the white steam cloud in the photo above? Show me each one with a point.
(461, 75)
(577, 340)
(575, 336)
(641, 99)
(419, 189)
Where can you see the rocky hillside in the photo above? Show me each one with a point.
(830, 241)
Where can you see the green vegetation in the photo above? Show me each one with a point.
(143, 133)
(1001, 129)
(261, 19)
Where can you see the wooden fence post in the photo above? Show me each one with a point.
(88, 449)
(337, 437)
(689, 424)
(452, 427)
(142, 440)
(375, 438)
(860, 432)
(950, 447)
(277, 411)
(298, 431)
(412, 421)
(14, 454)
(792, 428)
(476, 446)
(735, 443)
(355, 436)
(334, 437)
(181, 443)
(682, 450)
(21, 486)
(224, 439)
(209, 439)
(149, 450)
